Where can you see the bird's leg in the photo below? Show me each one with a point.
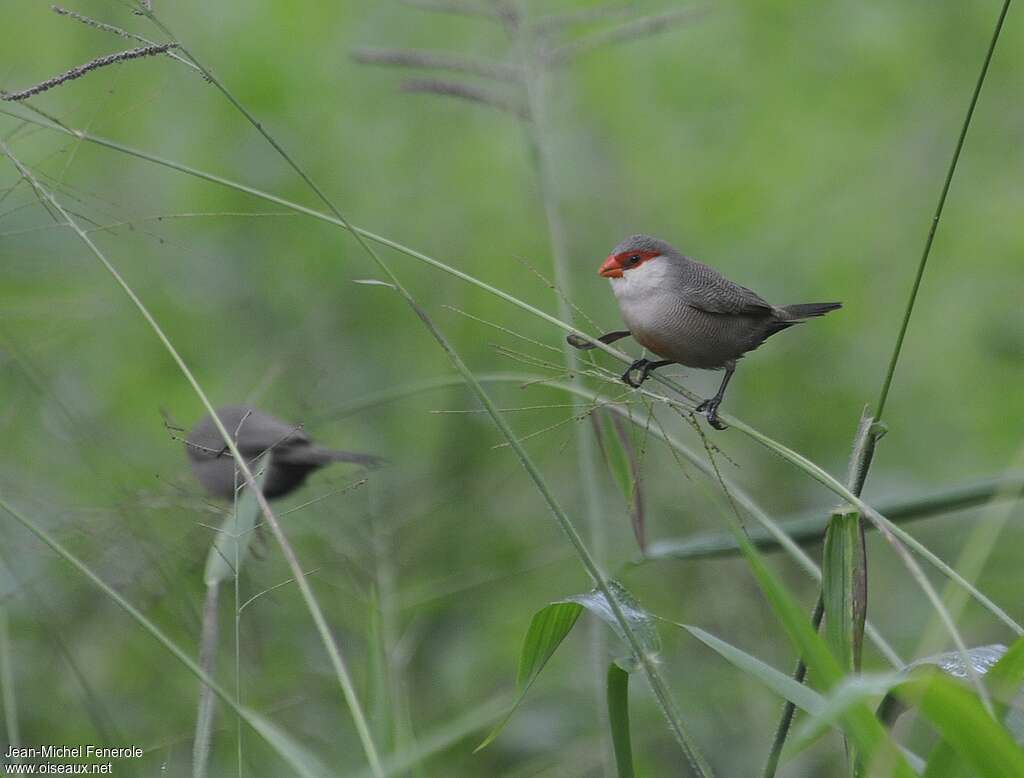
(710, 407)
(576, 341)
(645, 366)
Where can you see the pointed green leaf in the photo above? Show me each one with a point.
(548, 629)
(802, 696)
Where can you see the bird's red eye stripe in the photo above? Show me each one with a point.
(630, 259)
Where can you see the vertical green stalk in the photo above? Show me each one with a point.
(618, 719)
(887, 382)
(842, 597)
(237, 584)
(539, 139)
(901, 335)
(208, 663)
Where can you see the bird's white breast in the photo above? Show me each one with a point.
(641, 293)
(642, 282)
(654, 308)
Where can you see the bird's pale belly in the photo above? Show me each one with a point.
(688, 336)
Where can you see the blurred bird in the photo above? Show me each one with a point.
(688, 313)
(293, 455)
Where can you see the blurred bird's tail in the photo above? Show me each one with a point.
(323, 456)
(809, 310)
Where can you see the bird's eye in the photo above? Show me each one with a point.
(633, 260)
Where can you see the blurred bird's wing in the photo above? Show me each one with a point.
(708, 290)
(254, 432)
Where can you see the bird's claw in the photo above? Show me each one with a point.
(576, 341)
(710, 409)
(627, 377)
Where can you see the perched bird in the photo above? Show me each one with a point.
(293, 456)
(688, 313)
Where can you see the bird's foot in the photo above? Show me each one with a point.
(576, 341)
(710, 409)
(643, 366)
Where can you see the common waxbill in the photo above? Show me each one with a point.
(689, 313)
(293, 455)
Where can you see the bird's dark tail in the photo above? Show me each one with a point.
(809, 310)
(317, 455)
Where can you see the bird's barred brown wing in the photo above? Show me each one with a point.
(708, 290)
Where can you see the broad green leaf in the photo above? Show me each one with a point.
(640, 621)
(548, 629)
(231, 545)
(962, 721)
(618, 719)
(802, 696)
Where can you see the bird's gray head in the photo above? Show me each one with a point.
(633, 252)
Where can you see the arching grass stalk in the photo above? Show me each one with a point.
(893, 536)
(657, 684)
(769, 443)
(357, 231)
(334, 653)
(646, 662)
(745, 501)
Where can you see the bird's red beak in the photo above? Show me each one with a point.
(611, 268)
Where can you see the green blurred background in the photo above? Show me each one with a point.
(798, 147)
